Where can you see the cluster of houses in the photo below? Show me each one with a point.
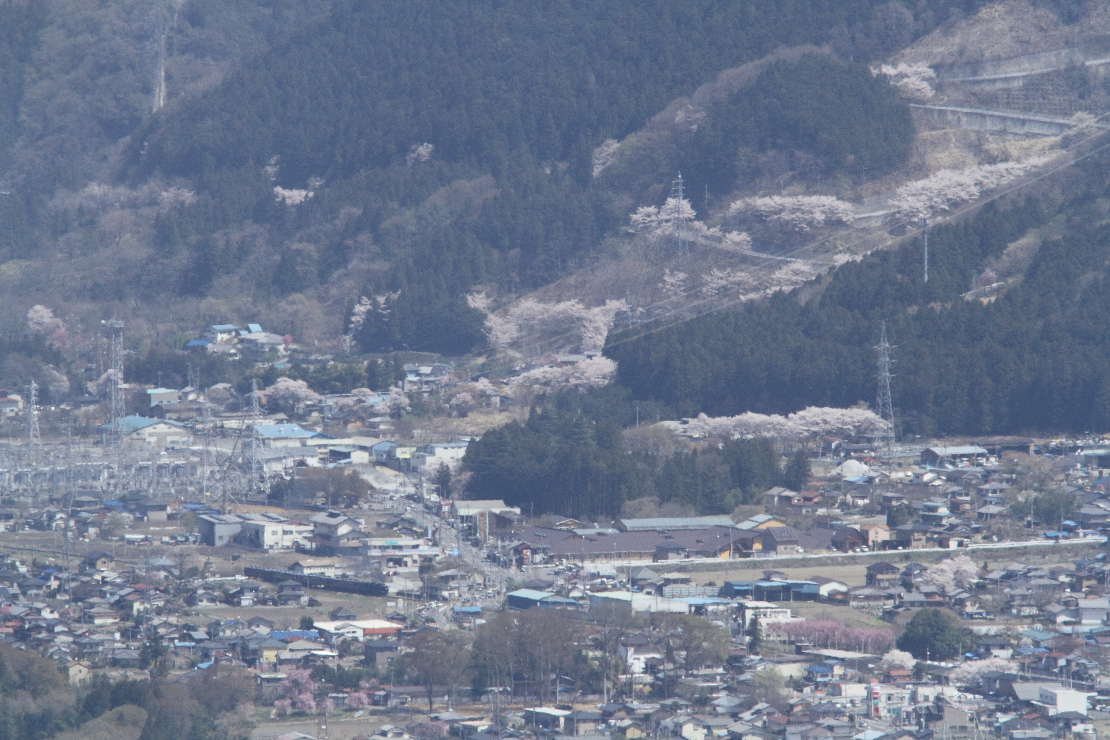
(1041, 677)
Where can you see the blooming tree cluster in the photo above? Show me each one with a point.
(461, 398)
(660, 220)
(947, 188)
(592, 373)
(298, 693)
(827, 633)
(952, 574)
(366, 307)
(808, 422)
(176, 196)
(897, 659)
(970, 673)
(718, 281)
(603, 155)
(290, 392)
(292, 196)
(567, 322)
(795, 212)
(419, 153)
(42, 322)
(915, 81)
(101, 385)
(397, 403)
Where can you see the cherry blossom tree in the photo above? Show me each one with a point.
(895, 658)
(41, 321)
(289, 393)
(101, 385)
(970, 673)
(796, 212)
(176, 196)
(603, 156)
(952, 574)
(397, 403)
(674, 284)
(719, 281)
(591, 373)
(291, 196)
(298, 693)
(564, 324)
(832, 634)
(915, 81)
(661, 220)
(948, 188)
(419, 153)
(808, 422)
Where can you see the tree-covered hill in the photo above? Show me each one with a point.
(423, 148)
(1034, 359)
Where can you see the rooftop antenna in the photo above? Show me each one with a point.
(678, 197)
(886, 407)
(33, 438)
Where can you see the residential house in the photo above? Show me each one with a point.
(780, 541)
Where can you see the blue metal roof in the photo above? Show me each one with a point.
(300, 634)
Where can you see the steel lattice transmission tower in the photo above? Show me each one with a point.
(258, 472)
(115, 382)
(678, 197)
(886, 407)
(33, 437)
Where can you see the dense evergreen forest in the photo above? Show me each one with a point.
(1033, 360)
(582, 454)
(832, 118)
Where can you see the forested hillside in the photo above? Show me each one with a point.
(384, 105)
(1033, 360)
(410, 151)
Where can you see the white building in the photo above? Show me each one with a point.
(1058, 700)
(262, 534)
(766, 612)
(639, 602)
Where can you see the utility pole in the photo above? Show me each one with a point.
(886, 406)
(925, 234)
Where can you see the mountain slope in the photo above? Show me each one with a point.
(381, 124)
